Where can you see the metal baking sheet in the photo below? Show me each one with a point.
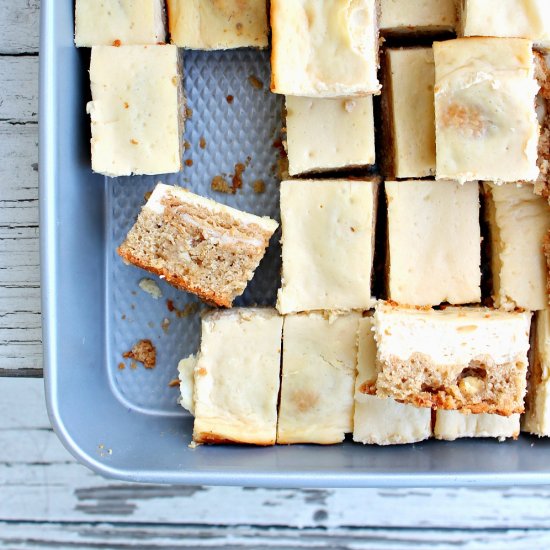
(125, 423)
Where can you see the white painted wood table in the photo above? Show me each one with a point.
(48, 500)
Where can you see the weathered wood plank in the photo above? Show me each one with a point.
(19, 86)
(40, 482)
(19, 26)
(20, 329)
(18, 536)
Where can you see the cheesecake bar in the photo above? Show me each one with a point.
(196, 244)
(319, 354)
(486, 123)
(542, 72)
(327, 244)
(218, 25)
(118, 22)
(376, 420)
(451, 425)
(408, 107)
(136, 110)
(324, 48)
(186, 376)
(518, 222)
(471, 359)
(507, 18)
(537, 403)
(237, 377)
(418, 17)
(328, 134)
(434, 242)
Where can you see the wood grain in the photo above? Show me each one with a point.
(41, 483)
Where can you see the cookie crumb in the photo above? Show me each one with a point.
(255, 82)
(121, 366)
(174, 383)
(229, 99)
(259, 186)
(144, 352)
(151, 287)
(165, 325)
(202, 143)
(220, 184)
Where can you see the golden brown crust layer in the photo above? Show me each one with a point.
(215, 439)
(174, 280)
(481, 387)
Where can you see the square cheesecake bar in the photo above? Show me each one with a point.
(472, 359)
(451, 425)
(118, 22)
(236, 377)
(137, 110)
(376, 420)
(324, 49)
(518, 222)
(197, 244)
(409, 117)
(439, 221)
(486, 123)
(402, 17)
(537, 403)
(346, 127)
(215, 25)
(327, 244)
(507, 18)
(319, 354)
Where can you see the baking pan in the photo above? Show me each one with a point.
(125, 423)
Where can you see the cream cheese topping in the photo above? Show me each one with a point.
(486, 123)
(451, 425)
(317, 378)
(418, 16)
(328, 134)
(453, 336)
(324, 49)
(219, 24)
(439, 220)
(327, 244)
(507, 18)
(135, 110)
(111, 22)
(412, 75)
(237, 375)
(162, 191)
(518, 222)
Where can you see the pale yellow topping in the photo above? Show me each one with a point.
(518, 222)
(134, 110)
(439, 221)
(119, 22)
(218, 24)
(318, 377)
(327, 134)
(324, 49)
(327, 244)
(412, 77)
(486, 124)
(507, 18)
(237, 375)
(403, 16)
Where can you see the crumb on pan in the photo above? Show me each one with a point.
(151, 287)
(144, 352)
